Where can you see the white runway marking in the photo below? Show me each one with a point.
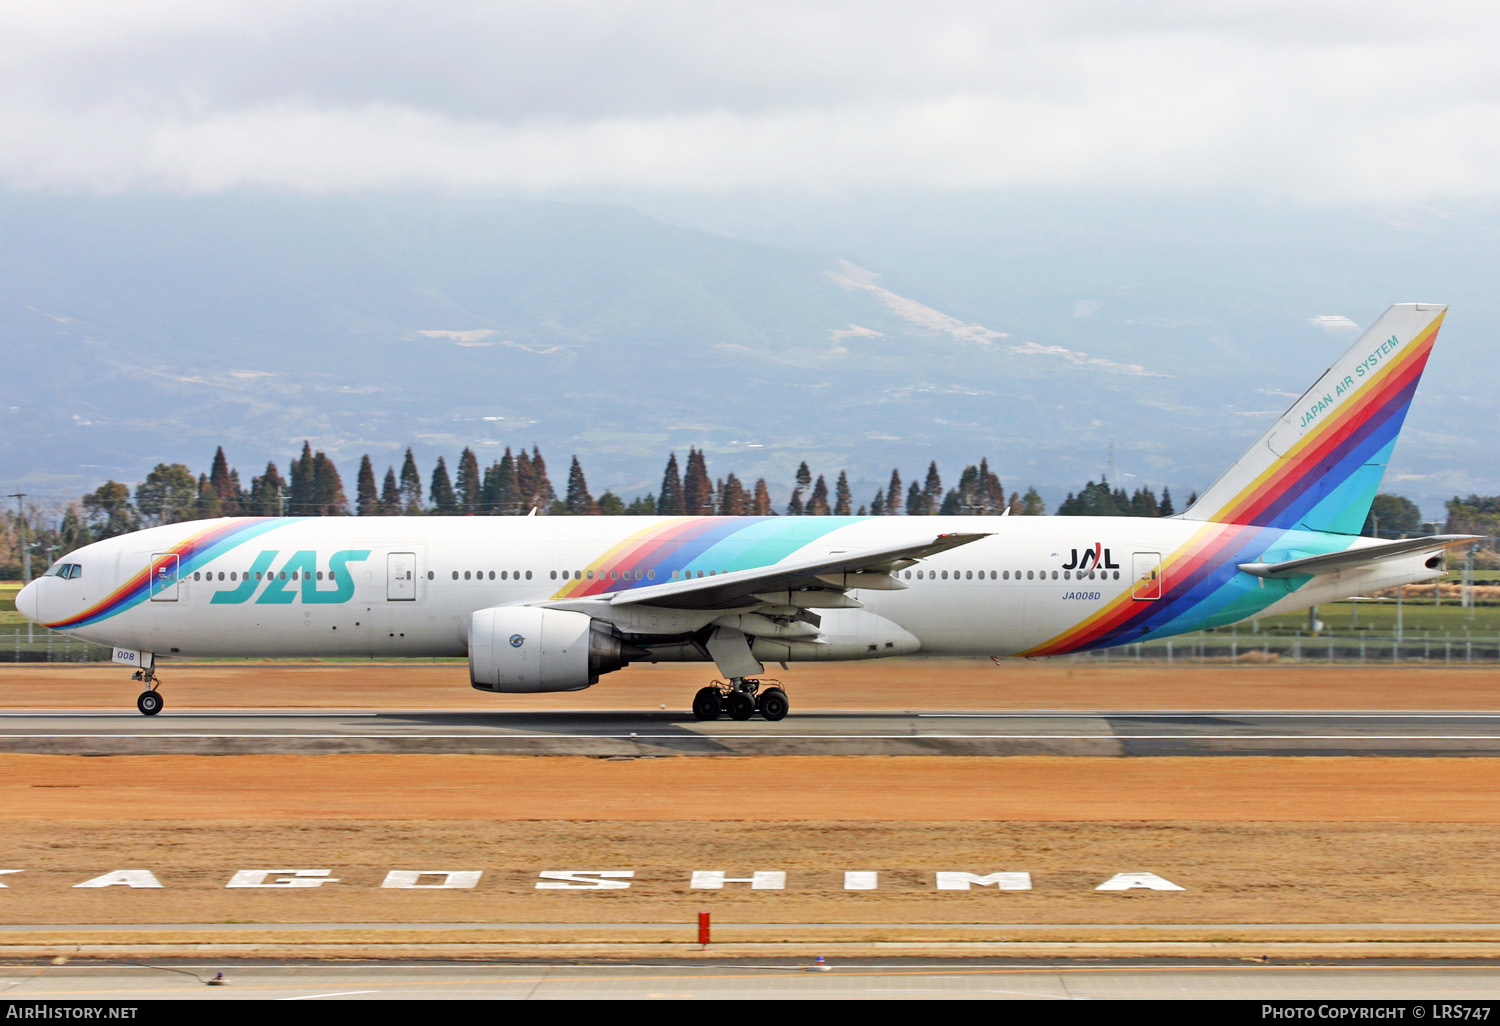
(760, 737)
(1032, 714)
(338, 993)
(1213, 715)
(280, 714)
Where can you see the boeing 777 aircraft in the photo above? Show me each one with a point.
(553, 603)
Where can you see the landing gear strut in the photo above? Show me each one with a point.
(149, 702)
(742, 698)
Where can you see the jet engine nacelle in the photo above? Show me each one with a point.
(524, 649)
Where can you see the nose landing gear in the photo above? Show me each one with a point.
(741, 698)
(149, 702)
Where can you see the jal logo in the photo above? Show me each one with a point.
(1097, 557)
(516, 641)
(299, 577)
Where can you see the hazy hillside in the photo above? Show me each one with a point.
(144, 329)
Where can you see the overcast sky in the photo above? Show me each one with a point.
(1321, 102)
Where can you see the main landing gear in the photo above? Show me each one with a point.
(741, 698)
(149, 702)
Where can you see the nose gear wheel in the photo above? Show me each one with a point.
(149, 702)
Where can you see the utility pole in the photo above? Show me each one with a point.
(25, 542)
(1468, 585)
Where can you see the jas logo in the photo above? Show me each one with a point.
(299, 577)
(1096, 558)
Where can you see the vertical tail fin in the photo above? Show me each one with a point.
(1319, 466)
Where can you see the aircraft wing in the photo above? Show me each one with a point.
(1351, 559)
(833, 573)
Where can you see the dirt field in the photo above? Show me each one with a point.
(251, 788)
(1251, 840)
(903, 684)
(1356, 840)
(1248, 872)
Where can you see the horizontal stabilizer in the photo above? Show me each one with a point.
(1351, 559)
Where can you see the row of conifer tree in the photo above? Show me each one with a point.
(518, 483)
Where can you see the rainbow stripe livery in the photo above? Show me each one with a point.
(193, 552)
(1318, 468)
(1305, 486)
(684, 547)
(553, 603)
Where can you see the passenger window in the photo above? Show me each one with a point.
(1054, 575)
(528, 575)
(430, 574)
(1067, 575)
(968, 575)
(554, 575)
(1030, 574)
(651, 575)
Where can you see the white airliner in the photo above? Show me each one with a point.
(552, 603)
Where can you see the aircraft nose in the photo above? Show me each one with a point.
(26, 601)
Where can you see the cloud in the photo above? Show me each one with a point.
(1327, 101)
(1334, 324)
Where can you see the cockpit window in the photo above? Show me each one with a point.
(75, 571)
(55, 570)
(66, 571)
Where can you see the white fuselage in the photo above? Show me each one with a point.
(408, 586)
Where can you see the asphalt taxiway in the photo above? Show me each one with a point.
(631, 733)
(761, 979)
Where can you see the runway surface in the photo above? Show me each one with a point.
(635, 734)
(866, 979)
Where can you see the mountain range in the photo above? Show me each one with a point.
(146, 329)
